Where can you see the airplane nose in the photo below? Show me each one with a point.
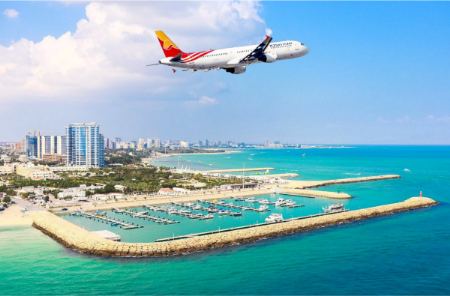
(305, 50)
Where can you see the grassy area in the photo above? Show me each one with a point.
(135, 179)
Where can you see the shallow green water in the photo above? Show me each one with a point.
(399, 254)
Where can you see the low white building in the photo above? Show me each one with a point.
(180, 190)
(74, 192)
(120, 187)
(68, 169)
(6, 169)
(5, 158)
(33, 172)
(37, 191)
(109, 196)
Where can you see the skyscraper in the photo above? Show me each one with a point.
(41, 147)
(85, 145)
(31, 146)
(50, 145)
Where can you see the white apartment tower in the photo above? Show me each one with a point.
(85, 145)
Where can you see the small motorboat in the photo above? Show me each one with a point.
(263, 208)
(280, 202)
(274, 218)
(334, 208)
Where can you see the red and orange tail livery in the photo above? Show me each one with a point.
(169, 48)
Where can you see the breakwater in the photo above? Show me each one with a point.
(312, 184)
(81, 240)
(241, 170)
(315, 193)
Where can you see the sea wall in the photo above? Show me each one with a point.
(315, 193)
(311, 184)
(81, 240)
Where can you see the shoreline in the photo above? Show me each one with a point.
(13, 216)
(166, 155)
(81, 240)
(291, 187)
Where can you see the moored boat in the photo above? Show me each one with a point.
(334, 208)
(274, 218)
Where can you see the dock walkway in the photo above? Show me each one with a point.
(113, 222)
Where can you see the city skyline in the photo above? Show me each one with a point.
(375, 74)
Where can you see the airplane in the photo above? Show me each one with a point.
(233, 60)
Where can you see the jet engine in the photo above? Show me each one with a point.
(236, 70)
(268, 57)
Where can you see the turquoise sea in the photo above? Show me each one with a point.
(401, 254)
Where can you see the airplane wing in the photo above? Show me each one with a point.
(258, 51)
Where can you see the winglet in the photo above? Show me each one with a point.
(169, 48)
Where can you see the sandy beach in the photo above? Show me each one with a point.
(13, 216)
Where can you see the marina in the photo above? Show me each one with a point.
(182, 218)
(83, 241)
(184, 215)
(145, 215)
(179, 212)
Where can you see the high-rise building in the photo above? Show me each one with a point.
(141, 144)
(37, 146)
(50, 145)
(85, 145)
(31, 146)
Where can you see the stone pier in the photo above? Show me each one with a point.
(83, 241)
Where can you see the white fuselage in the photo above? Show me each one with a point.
(232, 57)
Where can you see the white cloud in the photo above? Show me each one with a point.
(438, 119)
(202, 101)
(106, 55)
(10, 13)
(205, 100)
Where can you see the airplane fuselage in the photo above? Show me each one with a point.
(229, 58)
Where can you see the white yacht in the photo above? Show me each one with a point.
(208, 216)
(280, 202)
(274, 218)
(334, 208)
(263, 208)
(289, 203)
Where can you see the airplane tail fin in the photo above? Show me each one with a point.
(169, 48)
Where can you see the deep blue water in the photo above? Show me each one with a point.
(401, 254)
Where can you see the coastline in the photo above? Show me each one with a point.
(13, 216)
(290, 187)
(165, 155)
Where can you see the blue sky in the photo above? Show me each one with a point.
(377, 73)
